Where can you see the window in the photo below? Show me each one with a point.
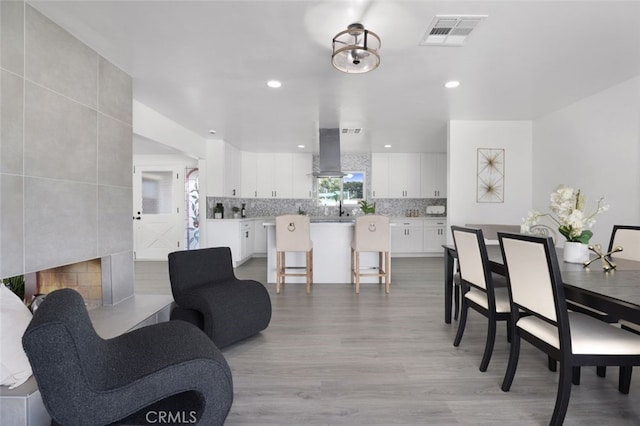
(349, 189)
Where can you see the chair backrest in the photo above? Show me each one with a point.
(192, 268)
(627, 237)
(490, 231)
(472, 257)
(372, 233)
(293, 233)
(67, 356)
(533, 274)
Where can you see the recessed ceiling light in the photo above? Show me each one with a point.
(274, 84)
(300, 146)
(452, 84)
(213, 132)
(387, 146)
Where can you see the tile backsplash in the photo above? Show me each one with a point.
(273, 207)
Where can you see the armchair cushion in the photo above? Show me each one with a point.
(228, 309)
(84, 379)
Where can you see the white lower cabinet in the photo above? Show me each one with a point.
(406, 236)
(435, 235)
(232, 233)
(259, 237)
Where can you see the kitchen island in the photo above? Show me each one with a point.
(331, 253)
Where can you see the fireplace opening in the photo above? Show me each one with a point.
(84, 277)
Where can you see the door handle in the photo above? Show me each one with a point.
(137, 218)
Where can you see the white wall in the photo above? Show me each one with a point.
(593, 145)
(464, 139)
(155, 126)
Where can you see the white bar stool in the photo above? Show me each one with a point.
(371, 235)
(293, 234)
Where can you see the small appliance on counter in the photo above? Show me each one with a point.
(435, 210)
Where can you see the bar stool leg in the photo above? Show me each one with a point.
(278, 272)
(357, 272)
(387, 274)
(379, 267)
(308, 271)
(352, 270)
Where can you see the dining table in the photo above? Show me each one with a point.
(615, 292)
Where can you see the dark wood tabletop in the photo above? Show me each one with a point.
(616, 292)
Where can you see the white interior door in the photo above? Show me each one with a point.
(157, 217)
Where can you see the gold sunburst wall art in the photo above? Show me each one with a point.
(490, 182)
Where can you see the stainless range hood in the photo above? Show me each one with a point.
(329, 154)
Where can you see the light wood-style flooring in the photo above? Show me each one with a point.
(337, 358)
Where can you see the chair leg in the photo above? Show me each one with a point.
(514, 354)
(379, 268)
(308, 271)
(456, 301)
(624, 381)
(278, 272)
(387, 271)
(601, 370)
(352, 271)
(357, 272)
(462, 323)
(564, 392)
(575, 375)
(488, 347)
(311, 257)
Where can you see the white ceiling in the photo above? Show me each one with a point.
(205, 64)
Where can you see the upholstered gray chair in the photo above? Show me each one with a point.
(85, 380)
(540, 316)
(210, 296)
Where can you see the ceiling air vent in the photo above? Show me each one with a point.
(352, 131)
(450, 30)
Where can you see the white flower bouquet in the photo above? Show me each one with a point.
(568, 214)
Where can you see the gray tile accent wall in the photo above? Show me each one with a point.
(11, 224)
(59, 61)
(117, 269)
(60, 136)
(12, 36)
(115, 227)
(65, 149)
(115, 157)
(11, 122)
(116, 92)
(61, 225)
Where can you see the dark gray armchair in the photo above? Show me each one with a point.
(209, 295)
(170, 368)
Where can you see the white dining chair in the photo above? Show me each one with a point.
(478, 289)
(540, 316)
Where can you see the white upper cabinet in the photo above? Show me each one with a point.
(395, 175)
(249, 175)
(232, 162)
(283, 175)
(223, 169)
(404, 176)
(380, 175)
(302, 180)
(434, 175)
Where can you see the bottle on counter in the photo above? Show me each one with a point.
(243, 211)
(218, 211)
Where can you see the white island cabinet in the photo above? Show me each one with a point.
(331, 254)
